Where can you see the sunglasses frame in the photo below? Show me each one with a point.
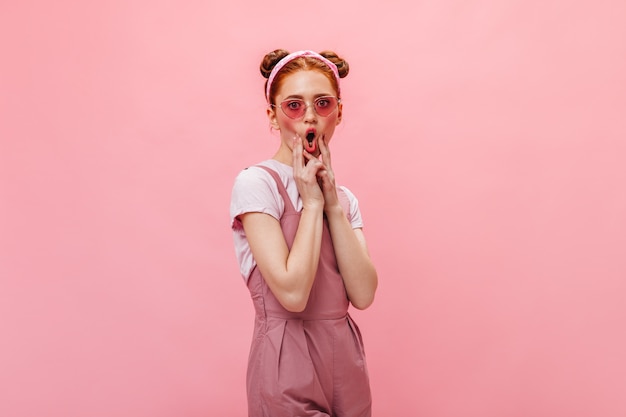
(307, 105)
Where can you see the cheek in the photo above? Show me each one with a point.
(287, 125)
(332, 124)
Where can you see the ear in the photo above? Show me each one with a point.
(271, 115)
(339, 112)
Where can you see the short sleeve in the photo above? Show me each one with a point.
(354, 214)
(255, 191)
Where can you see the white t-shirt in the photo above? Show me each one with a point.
(256, 191)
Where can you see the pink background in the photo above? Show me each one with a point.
(486, 141)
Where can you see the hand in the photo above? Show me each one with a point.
(306, 169)
(326, 177)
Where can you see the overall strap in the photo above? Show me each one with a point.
(281, 188)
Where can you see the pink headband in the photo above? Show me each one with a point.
(290, 58)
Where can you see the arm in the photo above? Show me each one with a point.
(355, 265)
(290, 273)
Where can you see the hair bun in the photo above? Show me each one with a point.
(342, 65)
(270, 60)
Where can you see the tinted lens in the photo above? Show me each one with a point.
(293, 108)
(325, 105)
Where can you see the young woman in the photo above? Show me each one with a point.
(302, 252)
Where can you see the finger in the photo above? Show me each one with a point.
(298, 161)
(322, 176)
(326, 183)
(325, 151)
(312, 163)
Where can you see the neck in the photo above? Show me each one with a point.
(284, 155)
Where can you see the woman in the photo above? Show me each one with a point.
(301, 249)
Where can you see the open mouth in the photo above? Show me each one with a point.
(310, 145)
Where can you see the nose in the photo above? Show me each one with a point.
(309, 112)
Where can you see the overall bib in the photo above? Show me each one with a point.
(310, 363)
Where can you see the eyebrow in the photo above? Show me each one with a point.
(293, 96)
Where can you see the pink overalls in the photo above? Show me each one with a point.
(310, 363)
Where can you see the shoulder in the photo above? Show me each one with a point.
(349, 195)
(254, 174)
(257, 175)
(255, 190)
(253, 179)
(351, 205)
